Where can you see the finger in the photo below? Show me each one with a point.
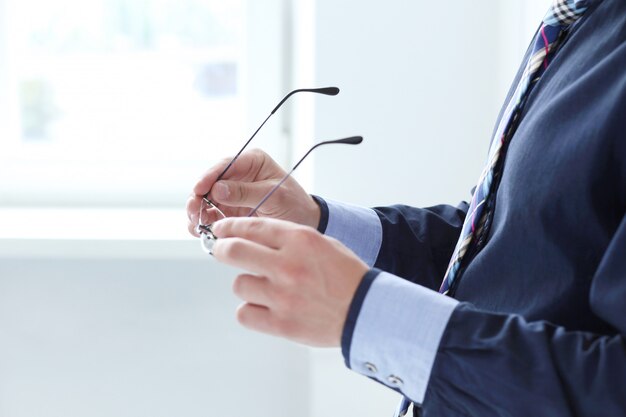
(246, 254)
(207, 180)
(193, 228)
(258, 318)
(193, 207)
(270, 233)
(194, 204)
(246, 167)
(253, 289)
(241, 194)
(210, 215)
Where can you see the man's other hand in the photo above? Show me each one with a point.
(243, 186)
(300, 284)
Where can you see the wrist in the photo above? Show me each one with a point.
(314, 213)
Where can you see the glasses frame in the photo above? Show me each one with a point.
(328, 91)
(207, 237)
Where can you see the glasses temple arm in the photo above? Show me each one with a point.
(329, 91)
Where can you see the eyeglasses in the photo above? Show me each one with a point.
(207, 237)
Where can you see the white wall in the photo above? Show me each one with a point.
(423, 82)
(124, 338)
(418, 85)
(145, 337)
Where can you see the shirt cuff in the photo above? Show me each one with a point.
(393, 330)
(359, 228)
(321, 227)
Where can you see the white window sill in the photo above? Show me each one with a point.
(96, 234)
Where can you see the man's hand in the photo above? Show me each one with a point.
(301, 282)
(243, 186)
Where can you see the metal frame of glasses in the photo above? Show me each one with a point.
(207, 237)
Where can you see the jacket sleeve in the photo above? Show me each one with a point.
(417, 244)
(492, 364)
(412, 243)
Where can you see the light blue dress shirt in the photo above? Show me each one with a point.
(394, 326)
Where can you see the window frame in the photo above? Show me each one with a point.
(264, 79)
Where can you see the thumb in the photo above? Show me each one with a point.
(241, 194)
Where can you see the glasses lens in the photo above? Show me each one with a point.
(207, 240)
(209, 214)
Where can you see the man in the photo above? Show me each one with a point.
(512, 305)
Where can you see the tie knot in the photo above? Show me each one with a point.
(565, 12)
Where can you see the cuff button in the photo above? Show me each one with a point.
(395, 381)
(371, 368)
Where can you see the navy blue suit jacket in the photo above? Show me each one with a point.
(542, 327)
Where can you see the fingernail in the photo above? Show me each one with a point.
(220, 191)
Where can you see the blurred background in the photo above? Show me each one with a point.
(109, 112)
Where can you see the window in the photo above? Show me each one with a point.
(126, 102)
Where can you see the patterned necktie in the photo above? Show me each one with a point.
(561, 15)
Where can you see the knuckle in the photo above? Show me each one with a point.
(257, 153)
(238, 286)
(240, 192)
(286, 328)
(259, 160)
(280, 198)
(294, 271)
(191, 205)
(288, 304)
(335, 243)
(255, 225)
(281, 300)
(224, 161)
(191, 226)
(229, 248)
(219, 166)
(306, 236)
